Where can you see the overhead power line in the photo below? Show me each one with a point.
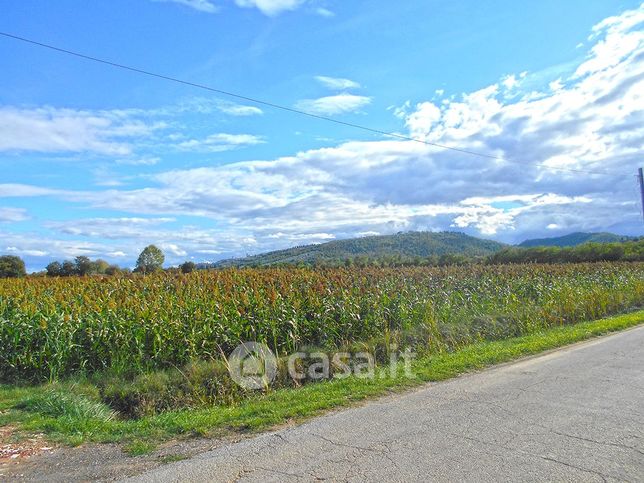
(285, 108)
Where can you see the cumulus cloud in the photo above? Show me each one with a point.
(510, 81)
(331, 105)
(271, 7)
(616, 38)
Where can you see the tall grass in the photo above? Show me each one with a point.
(51, 328)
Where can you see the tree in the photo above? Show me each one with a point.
(112, 270)
(12, 266)
(83, 265)
(99, 266)
(54, 269)
(187, 267)
(68, 269)
(150, 260)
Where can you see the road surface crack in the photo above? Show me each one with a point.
(602, 443)
(336, 443)
(585, 470)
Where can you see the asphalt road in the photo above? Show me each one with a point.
(572, 415)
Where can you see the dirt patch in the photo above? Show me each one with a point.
(98, 462)
(15, 450)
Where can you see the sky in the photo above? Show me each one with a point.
(101, 162)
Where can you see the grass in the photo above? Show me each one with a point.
(69, 413)
(139, 447)
(58, 403)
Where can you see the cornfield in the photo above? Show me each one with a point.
(52, 328)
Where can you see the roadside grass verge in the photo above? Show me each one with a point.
(69, 413)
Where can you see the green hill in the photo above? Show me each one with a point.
(574, 239)
(410, 244)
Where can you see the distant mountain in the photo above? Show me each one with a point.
(410, 244)
(574, 239)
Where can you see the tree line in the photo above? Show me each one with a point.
(152, 258)
(627, 251)
(82, 266)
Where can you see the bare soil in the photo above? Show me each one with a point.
(33, 459)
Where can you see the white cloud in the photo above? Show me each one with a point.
(34, 245)
(17, 190)
(271, 7)
(555, 85)
(207, 105)
(423, 118)
(32, 253)
(324, 12)
(221, 142)
(455, 120)
(108, 228)
(302, 236)
(143, 161)
(200, 5)
(174, 249)
(337, 104)
(336, 83)
(117, 254)
(109, 182)
(616, 38)
(120, 240)
(488, 217)
(587, 121)
(52, 130)
(113, 133)
(510, 82)
(239, 110)
(267, 7)
(401, 112)
(13, 214)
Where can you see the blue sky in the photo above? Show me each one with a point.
(101, 162)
